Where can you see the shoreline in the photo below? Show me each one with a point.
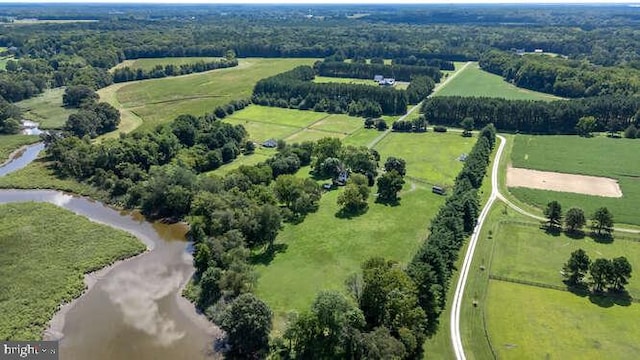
(16, 153)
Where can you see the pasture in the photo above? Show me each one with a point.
(597, 156)
(72, 246)
(150, 63)
(157, 101)
(46, 109)
(321, 252)
(474, 81)
(10, 143)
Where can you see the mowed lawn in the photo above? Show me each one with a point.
(10, 143)
(151, 63)
(527, 322)
(327, 79)
(45, 252)
(157, 101)
(526, 252)
(431, 157)
(597, 156)
(293, 126)
(321, 252)
(474, 81)
(46, 109)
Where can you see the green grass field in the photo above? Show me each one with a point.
(45, 252)
(527, 322)
(157, 101)
(431, 157)
(4, 60)
(588, 156)
(150, 63)
(46, 109)
(476, 82)
(326, 79)
(10, 143)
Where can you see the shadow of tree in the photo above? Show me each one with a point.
(394, 203)
(575, 234)
(603, 238)
(551, 230)
(266, 257)
(607, 300)
(346, 214)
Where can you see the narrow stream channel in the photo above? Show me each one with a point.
(135, 310)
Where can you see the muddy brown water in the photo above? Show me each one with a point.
(135, 310)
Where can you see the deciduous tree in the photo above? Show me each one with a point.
(602, 219)
(247, 322)
(577, 267)
(553, 212)
(575, 219)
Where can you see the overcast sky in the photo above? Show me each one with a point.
(336, 1)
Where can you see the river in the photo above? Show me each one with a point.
(132, 310)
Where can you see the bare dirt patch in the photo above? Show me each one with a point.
(579, 184)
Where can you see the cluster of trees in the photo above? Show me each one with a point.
(382, 319)
(358, 70)
(78, 95)
(9, 117)
(413, 60)
(419, 88)
(575, 220)
(610, 113)
(379, 124)
(93, 119)
(294, 89)
(431, 268)
(613, 274)
(416, 125)
(332, 159)
(567, 78)
(159, 71)
(391, 182)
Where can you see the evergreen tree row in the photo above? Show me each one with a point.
(611, 113)
(433, 265)
(368, 71)
(160, 71)
(413, 60)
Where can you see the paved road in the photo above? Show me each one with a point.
(438, 87)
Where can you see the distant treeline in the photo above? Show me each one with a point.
(412, 60)
(368, 71)
(160, 71)
(434, 263)
(567, 78)
(613, 113)
(294, 89)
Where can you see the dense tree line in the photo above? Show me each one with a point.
(9, 117)
(160, 71)
(419, 88)
(413, 60)
(433, 265)
(555, 75)
(294, 89)
(368, 71)
(416, 125)
(611, 113)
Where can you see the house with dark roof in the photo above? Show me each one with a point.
(271, 143)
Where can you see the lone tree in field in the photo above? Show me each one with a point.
(602, 220)
(247, 323)
(389, 184)
(553, 212)
(621, 272)
(601, 271)
(467, 124)
(353, 199)
(586, 125)
(575, 219)
(577, 267)
(397, 164)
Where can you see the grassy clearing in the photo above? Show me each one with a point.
(361, 137)
(33, 288)
(38, 175)
(261, 154)
(10, 143)
(4, 60)
(339, 123)
(259, 131)
(326, 79)
(312, 135)
(536, 323)
(150, 63)
(46, 109)
(272, 115)
(476, 82)
(129, 121)
(431, 157)
(157, 101)
(321, 252)
(587, 156)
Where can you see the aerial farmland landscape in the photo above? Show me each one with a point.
(237, 180)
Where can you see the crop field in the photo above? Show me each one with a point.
(72, 246)
(157, 101)
(46, 109)
(597, 156)
(321, 252)
(431, 157)
(474, 81)
(150, 63)
(10, 143)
